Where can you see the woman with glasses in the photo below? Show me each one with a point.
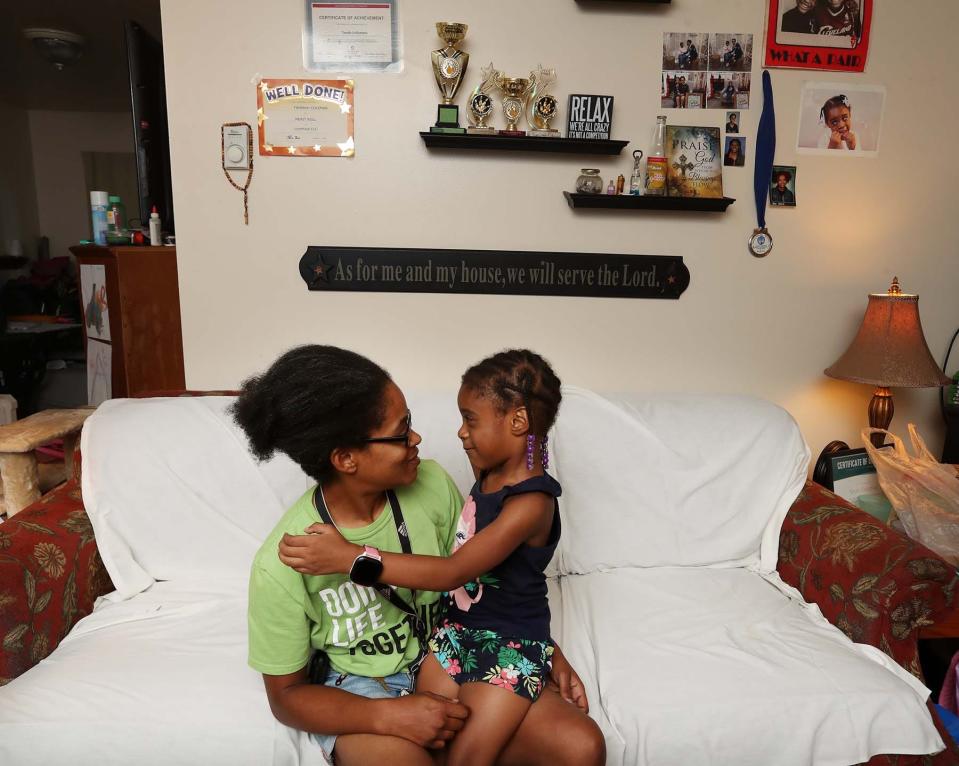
(339, 653)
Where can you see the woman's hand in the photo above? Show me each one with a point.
(322, 550)
(570, 685)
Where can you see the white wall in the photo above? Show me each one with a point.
(18, 198)
(59, 139)
(767, 327)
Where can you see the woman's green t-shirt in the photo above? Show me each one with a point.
(361, 631)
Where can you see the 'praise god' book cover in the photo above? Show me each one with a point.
(694, 162)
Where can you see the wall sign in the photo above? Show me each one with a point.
(492, 272)
(589, 117)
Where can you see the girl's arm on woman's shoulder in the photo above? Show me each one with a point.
(325, 551)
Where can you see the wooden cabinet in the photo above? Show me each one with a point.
(142, 294)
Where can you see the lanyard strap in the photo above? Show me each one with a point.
(389, 593)
(765, 151)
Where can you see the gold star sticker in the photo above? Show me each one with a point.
(349, 84)
(260, 116)
(291, 149)
(345, 108)
(317, 148)
(267, 147)
(347, 148)
(264, 85)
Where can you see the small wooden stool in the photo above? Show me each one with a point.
(19, 474)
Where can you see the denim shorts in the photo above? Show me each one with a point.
(396, 685)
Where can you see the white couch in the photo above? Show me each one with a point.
(664, 593)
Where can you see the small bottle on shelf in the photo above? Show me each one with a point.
(611, 189)
(636, 179)
(155, 237)
(656, 161)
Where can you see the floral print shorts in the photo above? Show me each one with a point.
(472, 655)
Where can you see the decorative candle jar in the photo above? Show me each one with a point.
(589, 181)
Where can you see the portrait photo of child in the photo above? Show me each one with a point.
(840, 119)
(735, 154)
(782, 186)
(732, 122)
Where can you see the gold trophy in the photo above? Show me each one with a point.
(481, 103)
(449, 68)
(515, 94)
(542, 104)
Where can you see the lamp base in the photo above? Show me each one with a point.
(881, 410)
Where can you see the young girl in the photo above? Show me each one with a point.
(492, 650)
(836, 115)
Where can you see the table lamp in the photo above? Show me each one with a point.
(888, 351)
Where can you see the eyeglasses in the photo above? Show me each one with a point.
(399, 438)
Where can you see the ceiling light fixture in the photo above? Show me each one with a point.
(57, 46)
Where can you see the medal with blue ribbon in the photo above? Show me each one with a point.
(760, 243)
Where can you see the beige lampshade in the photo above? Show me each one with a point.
(889, 349)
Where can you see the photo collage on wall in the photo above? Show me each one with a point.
(706, 70)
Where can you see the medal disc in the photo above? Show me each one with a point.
(760, 243)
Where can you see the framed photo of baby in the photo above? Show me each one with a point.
(840, 119)
(782, 186)
(830, 35)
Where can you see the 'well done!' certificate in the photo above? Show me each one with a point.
(305, 118)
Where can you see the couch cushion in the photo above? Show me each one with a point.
(173, 492)
(155, 680)
(661, 480)
(705, 665)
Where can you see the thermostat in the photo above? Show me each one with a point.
(237, 140)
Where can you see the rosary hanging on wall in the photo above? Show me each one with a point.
(236, 153)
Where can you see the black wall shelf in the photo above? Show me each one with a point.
(629, 202)
(522, 143)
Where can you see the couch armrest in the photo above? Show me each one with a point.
(876, 585)
(50, 575)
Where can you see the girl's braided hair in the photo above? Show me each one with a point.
(519, 378)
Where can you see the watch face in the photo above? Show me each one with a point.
(366, 570)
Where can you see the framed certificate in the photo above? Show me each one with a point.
(305, 118)
(344, 36)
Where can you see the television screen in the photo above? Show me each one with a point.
(150, 134)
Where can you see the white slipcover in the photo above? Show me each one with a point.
(676, 658)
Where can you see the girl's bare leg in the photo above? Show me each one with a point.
(495, 715)
(432, 678)
(555, 733)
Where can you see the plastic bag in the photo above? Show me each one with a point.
(924, 493)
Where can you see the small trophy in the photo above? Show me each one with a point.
(542, 105)
(515, 94)
(449, 68)
(481, 103)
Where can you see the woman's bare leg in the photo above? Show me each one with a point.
(364, 749)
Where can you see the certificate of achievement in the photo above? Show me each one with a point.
(305, 118)
(352, 33)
